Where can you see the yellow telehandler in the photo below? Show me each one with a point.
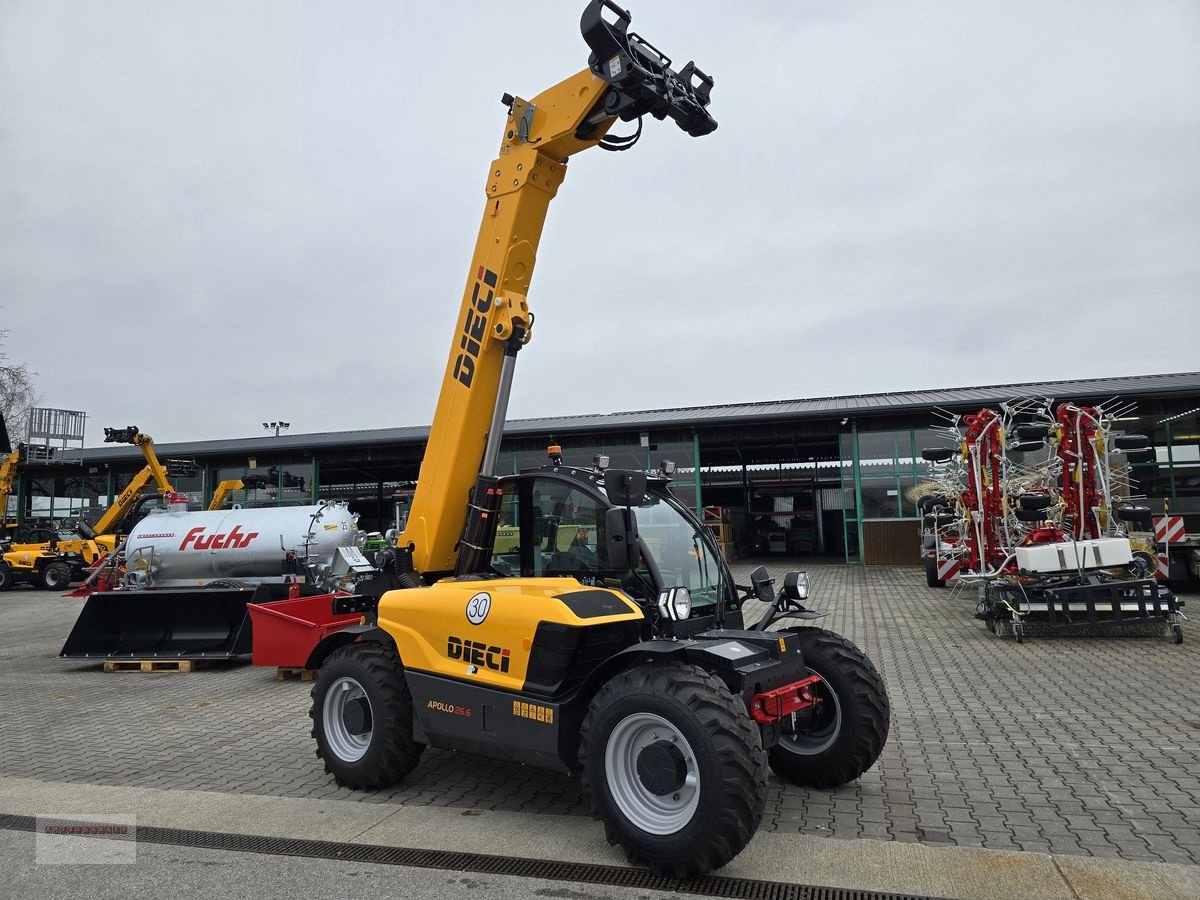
(607, 637)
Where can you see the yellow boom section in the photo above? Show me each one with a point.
(627, 79)
(8, 472)
(521, 182)
(152, 472)
(224, 489)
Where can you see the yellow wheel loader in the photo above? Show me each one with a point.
(605, 635)
(61, 558)
(41, 563)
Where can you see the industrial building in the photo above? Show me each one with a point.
(813, 477)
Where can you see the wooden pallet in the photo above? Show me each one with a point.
(282, 673)
(721, 531)
(156, 665)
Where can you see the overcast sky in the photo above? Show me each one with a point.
(218, 213)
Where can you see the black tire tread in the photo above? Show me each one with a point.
(63, 576)
(872, 723)
(739, 747)
(397, 758)
(931, 573)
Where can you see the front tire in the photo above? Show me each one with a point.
(362, 715)
(675, 768)
(843, 736)
(931, 573)
(56, 576)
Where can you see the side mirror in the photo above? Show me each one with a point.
(937, 454)
(762, 584)
(621, 539)
(625, 487)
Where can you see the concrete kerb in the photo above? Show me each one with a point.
(794, 858)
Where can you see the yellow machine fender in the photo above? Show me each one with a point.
(515, 634)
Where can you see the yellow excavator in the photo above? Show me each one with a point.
(53, 564)
(607, 637)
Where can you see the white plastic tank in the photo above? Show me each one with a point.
(173, 548)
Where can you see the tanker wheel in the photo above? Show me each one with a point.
(675, 768)
(362, 714)
(841, 737)
(56, 576)
(6, 577)
(931, 573)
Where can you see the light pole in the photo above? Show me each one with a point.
(277, 427)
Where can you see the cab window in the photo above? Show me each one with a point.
(506, 550)
(568, 528)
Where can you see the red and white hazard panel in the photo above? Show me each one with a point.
(946, 569)
(1168, 529)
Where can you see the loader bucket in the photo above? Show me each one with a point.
(163, 624)
(287, 631)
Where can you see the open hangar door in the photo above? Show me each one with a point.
(780, 498)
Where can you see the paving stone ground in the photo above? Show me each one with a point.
(1083, 745)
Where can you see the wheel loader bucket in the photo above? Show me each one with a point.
(163, 624)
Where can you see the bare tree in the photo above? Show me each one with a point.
(17, 393)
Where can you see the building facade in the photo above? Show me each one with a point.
(797, 477)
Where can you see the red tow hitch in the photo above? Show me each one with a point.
(783, 701)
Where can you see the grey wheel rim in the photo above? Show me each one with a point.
(653, 813)
(348, 745)
(813, 732)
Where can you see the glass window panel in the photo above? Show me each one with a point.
(296, 489)
(568, 533)
(877, 449)
(1185, 464)
(880, 498)
(506, 550)
(260, 490)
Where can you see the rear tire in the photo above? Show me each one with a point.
(931, 573)
(845, 734)
(675, 768)
(56, 576)
(6, 577)
(362, 714)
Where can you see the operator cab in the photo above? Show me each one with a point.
(554, 521)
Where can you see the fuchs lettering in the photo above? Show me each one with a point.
(478, 654)
(475, 325)
(234, 540)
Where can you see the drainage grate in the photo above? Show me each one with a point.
(550, 870)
